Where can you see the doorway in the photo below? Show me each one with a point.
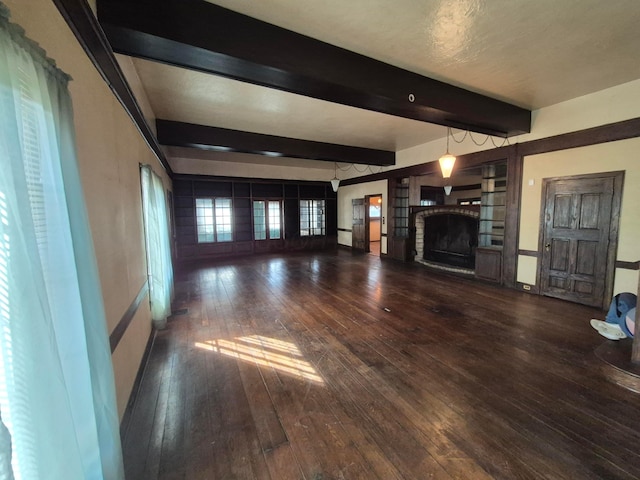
(366, 225)
(579, 237)
(374, 223)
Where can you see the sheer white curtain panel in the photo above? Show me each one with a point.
(159, 268)
(57, 395)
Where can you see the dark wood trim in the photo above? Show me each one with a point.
(180, 134)
(126, 416)
(515, 165)
(83, 24)
(635, 349)
(611, 132)
(529, 253)
(205, 37)
(125, 321)
(628, 265)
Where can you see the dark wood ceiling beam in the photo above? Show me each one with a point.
(198, 35)
(178, 134)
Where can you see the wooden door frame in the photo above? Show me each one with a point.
(616, 204)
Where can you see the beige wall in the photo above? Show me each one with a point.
(110, 149)
(606, 157)
(252, 166)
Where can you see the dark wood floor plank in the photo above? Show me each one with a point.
(137, 450)
(199, 398)
(326, 423)
(239, 435)
(156, 433)
(332, 365)
(382, 420)
(310, 412)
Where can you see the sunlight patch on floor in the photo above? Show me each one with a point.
(266, 352)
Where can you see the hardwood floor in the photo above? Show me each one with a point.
(340, 366)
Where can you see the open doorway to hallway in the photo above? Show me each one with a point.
(375, 223)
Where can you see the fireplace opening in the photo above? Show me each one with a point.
(451, 239)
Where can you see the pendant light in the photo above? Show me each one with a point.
(447, 161)
(336, 181)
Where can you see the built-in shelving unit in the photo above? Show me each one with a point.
(493, 205)
(401, 208)
(398, 240)
(492, 222)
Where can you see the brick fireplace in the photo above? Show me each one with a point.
(447, 234)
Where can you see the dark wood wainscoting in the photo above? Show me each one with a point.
(489, 264)
(333, 365)
(186, 188)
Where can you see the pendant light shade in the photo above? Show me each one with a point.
(447, 190)
(447, 161)
(335, 183)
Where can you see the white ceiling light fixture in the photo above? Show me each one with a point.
(335, 183)
(447, 190)
(447, 161)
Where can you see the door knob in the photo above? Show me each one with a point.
(547, 247)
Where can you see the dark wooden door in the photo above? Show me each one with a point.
(575, 243)
(359, 225)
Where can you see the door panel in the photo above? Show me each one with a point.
(577, 222)
(358, 225)
(587, 252)
(559, 254)
(589, 212)
(562, 211)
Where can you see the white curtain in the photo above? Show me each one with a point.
(57, 396)
(156, 225)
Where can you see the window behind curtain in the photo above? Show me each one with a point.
(214, 220)
(9, 305)
(54, 348)
(312, 217)
(156, 229)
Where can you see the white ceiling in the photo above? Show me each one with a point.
(532, 53)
